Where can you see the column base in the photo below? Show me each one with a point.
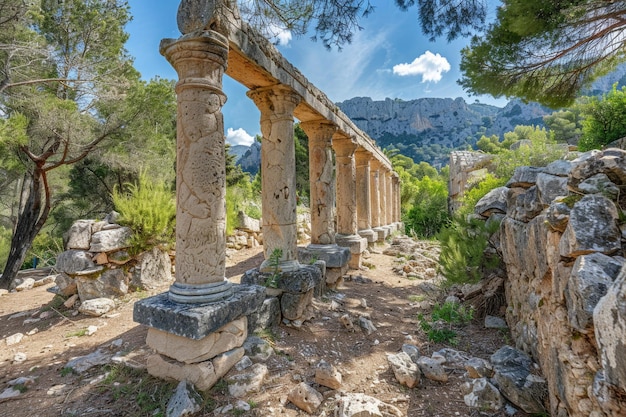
(368, 234)
(356, 244)
(382, 233)
(196, 321)
(204, 293)
(334, 256)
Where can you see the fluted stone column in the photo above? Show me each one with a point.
(200, 61)
(278, 178)
(382, 181)
(347, 230)
(363, 197)
(390, 198)
(321, 176)
(397, 191)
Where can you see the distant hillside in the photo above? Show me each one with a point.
(238, 151)
(427, 129)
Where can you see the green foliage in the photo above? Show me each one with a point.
(303, 185)
(452, 313)
(429, 211)
(45, 248)
(477, 191)
(439, 328)
(5, 244)
(149, 210)
(463, 243)
(274, 262)
(240, 197)
(605, 120)
(566, 125)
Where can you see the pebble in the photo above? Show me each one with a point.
(91, 330)
(19, 357)
(56, 389)
(14, 339)
(9, 393)
(32, 332)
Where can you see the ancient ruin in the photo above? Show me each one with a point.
(203, 312)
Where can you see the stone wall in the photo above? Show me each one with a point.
(562, 243)
(466, 168)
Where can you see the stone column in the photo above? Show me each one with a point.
(397, 191)
(200, 61)
(321, 175)
(375, 193)
(382, 180)
(278, 179)
(322, 179)
(363, 197)
(347, 230)
(390, 197)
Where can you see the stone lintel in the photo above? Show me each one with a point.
(334, 256)
(368, 234)
(355, 243)
(195, 321)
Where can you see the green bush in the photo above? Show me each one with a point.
(240, 198)
(5, 244)
(149, 210)
(463, 243)
(429, 211)
(44, 249)
(443, 317)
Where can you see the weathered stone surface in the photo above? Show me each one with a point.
(432, 369)
(599, 184)
(228, 337)
(327, 375)
(478, 368)
(293, 306)
(247, 223)
(79, 235)
(592, 227)
(550, 187)
(557, 215)
(524, 206)
(112, 283)
(185, 402)
(411, 350)
(406, 371)
(195, 321)
(305, 397)
(335, 256)
(611, 162)
(484, 396)
(366, 325)
(73, 261)
(66, 285)
(512, 376)
(84, 363)
(242, 384)
(14, 339)
(560, 167)
(266, 317)
(361, 405)
(452, 358)
(96, 306)
(609, 317)
(524, 177)
(494, 201)
(591, 277)
(154, 270)
(257, 349)
(493, 322)
(27, 284)
(110, 240)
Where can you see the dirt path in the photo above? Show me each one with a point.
(53, 334)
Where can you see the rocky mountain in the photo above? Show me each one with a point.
(250, 161)
(427, 129)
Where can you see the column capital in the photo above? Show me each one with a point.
(362, 157)
(344, 146)
(277, 100)
(319, 130)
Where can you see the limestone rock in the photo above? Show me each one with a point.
(524, 177)
(599, 184)
(411, 350)
(611, 162)
(73, 261)
(82, 364)
(609, 317)
(247, 223)
(484, 396)
(14, 339)
(112, 283)
(266, 317)
(97, 306)
(432, 369)
(493, 322)
(406, 371)
(592, 227)
(27, 284)
(230, 336)
(361, 405)
(512, 376)
(69, 303)
(494, 201)
(185, 402)
(257, 349)
(153, 270)
(327, 375)
(367, 325)
(478, 368)
(305, 397)
(293, 305)
(525, 205)
(9, 393)
(79, 235)
(453, 358)
(67, 286)
(242, 384)
(49, 279)
(110, 240)
(557, 215)
(550, 187)
(591, 277)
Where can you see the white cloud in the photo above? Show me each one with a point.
(430, 66)
(278, 35)
(238, 137)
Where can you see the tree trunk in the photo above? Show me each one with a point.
(29, 222)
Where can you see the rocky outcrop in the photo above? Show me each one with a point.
(562, 243)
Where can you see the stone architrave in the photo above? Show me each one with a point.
(200, 60)
(321, 174)
(278, 166)
(363, 198)
(346, 200)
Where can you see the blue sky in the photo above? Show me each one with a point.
(389, 58)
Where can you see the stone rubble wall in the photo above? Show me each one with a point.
(465, 169)
(562, 241)
(248, 232)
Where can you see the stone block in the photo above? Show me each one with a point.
(293, 305)
(79, 235)
(189, 351)
(369, 234)
(334, 276)
(109, 240)
(203, 375)
(195, 321)
(493, 202)
(112, 283)
(72, 261)
(550, 187)
(382, 233)
(266, 317)
(154, 270)
(335, 256)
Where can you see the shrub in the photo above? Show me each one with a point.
(429, 212)
(149, 210)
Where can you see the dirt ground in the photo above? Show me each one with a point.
(55, 334)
